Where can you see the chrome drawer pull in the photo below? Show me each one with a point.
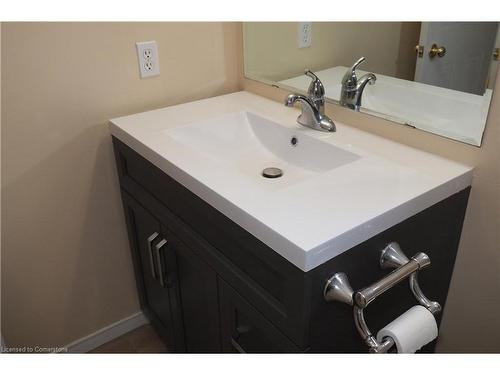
(150, 252)
(237, 346)
(158, 247)
(240, 331)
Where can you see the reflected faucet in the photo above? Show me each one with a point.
(352, 87)
(313, 106)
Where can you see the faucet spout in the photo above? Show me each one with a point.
(291, 99)
(367, 78)
(327, 124)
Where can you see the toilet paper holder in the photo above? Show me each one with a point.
(338, 289)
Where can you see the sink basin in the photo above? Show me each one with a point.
(337, 189)
(243, 144)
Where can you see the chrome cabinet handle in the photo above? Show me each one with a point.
(239, 331)
(237, 346)
(158, 247)
(150, 252)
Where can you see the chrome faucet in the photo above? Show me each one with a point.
(313, 106)
(352, 87)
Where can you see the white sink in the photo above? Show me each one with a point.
(243, 144)
(338, 189)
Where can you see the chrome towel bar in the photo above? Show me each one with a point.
(337, 288)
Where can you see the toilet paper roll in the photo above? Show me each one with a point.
(411, 330)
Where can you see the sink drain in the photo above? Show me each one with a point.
(272, 172)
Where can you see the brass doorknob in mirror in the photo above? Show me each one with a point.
(419, 50)
(437, 51)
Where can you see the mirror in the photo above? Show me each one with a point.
(434, 76)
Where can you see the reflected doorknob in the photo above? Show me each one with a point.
(437, 51)
(419, 50)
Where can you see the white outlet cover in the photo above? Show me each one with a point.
(148, 59)
(304, 34)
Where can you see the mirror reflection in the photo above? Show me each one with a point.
(435, 76)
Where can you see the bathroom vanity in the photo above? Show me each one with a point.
(227, 260)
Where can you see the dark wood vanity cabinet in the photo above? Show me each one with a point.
(198, 286)
(154, 258)
(177, 289)
(207, 285)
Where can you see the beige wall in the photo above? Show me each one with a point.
(66, 269)
(271, 50)
(470, 321)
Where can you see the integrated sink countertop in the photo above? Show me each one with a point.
(337, 189)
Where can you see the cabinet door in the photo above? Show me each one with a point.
(198, 294)
(154, 262)
(245, 330)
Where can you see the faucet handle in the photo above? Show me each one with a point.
(316, 89)
(350, 79)
(357, 63)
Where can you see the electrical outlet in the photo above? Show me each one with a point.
(149, 61)
(305, 34)
(147, 53)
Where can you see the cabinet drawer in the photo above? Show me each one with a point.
(245, 330)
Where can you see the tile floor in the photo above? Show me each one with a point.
(141, 340)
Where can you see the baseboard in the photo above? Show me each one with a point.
(106, 334)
